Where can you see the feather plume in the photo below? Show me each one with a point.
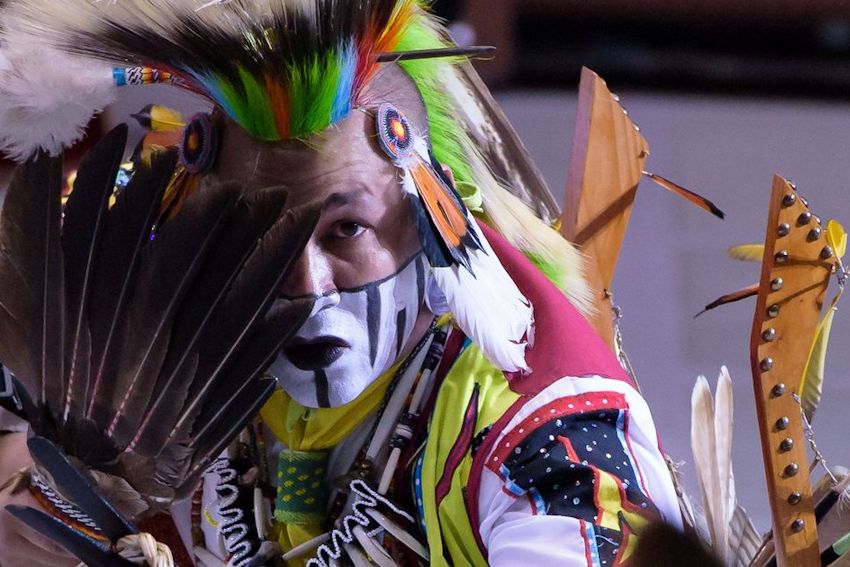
(471, 135)
(711, 444)
(746, 252)
(47, 97)
(811, 386)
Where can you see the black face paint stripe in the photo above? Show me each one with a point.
(400, 323)
(322, 396)
(420, 279)
(373, 320)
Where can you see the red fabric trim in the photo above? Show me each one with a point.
(473, 484)
(568, 447)
(582, 525)
(460, 447)
(564, 342)
(569, 405)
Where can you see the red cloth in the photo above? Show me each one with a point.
(564, 342)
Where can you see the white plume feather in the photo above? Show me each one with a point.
(489, 307)
(47, 97)
(711, 444)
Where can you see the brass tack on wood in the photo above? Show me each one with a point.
(814, 234)
(795, 498)
(789, 199)
(783, 422)
(781, 257)
(786, 445)
(826, 253)
(798, 525)
(777, 390)
(792, 469)
(766, 364)
(776, 284)
(783, 229)
(773, 311)
(804, 218)
(769, 334)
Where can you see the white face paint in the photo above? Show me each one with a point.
(352, 337)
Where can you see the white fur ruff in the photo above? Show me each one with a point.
(47, 97)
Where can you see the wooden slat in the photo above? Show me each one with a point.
(779, 347)
(607, 163)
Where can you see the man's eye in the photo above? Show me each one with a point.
(348, 229)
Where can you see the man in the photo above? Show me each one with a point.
(443, 393)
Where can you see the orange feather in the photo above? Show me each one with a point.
(448, 216)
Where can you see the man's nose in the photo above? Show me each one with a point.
(311, 274)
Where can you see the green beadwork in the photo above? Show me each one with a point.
(302, 495)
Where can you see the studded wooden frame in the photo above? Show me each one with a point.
(796, 269)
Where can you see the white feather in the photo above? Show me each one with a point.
(47, 97)
(489, 307)
(711, 444)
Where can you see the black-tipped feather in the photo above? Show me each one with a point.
(84, 219)
(128, 230)
(168, 271)
(254, 215)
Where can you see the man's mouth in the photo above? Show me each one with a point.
(316, 353)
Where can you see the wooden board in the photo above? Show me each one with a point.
(794, 278)
(607, 162)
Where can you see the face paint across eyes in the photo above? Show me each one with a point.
(352, 338)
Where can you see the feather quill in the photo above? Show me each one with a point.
(84, 219)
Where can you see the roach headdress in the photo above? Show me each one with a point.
(286, 69)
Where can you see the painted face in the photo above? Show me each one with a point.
(363, 263)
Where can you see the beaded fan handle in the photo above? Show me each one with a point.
(796, 268)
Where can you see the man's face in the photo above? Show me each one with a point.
(363, 263)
